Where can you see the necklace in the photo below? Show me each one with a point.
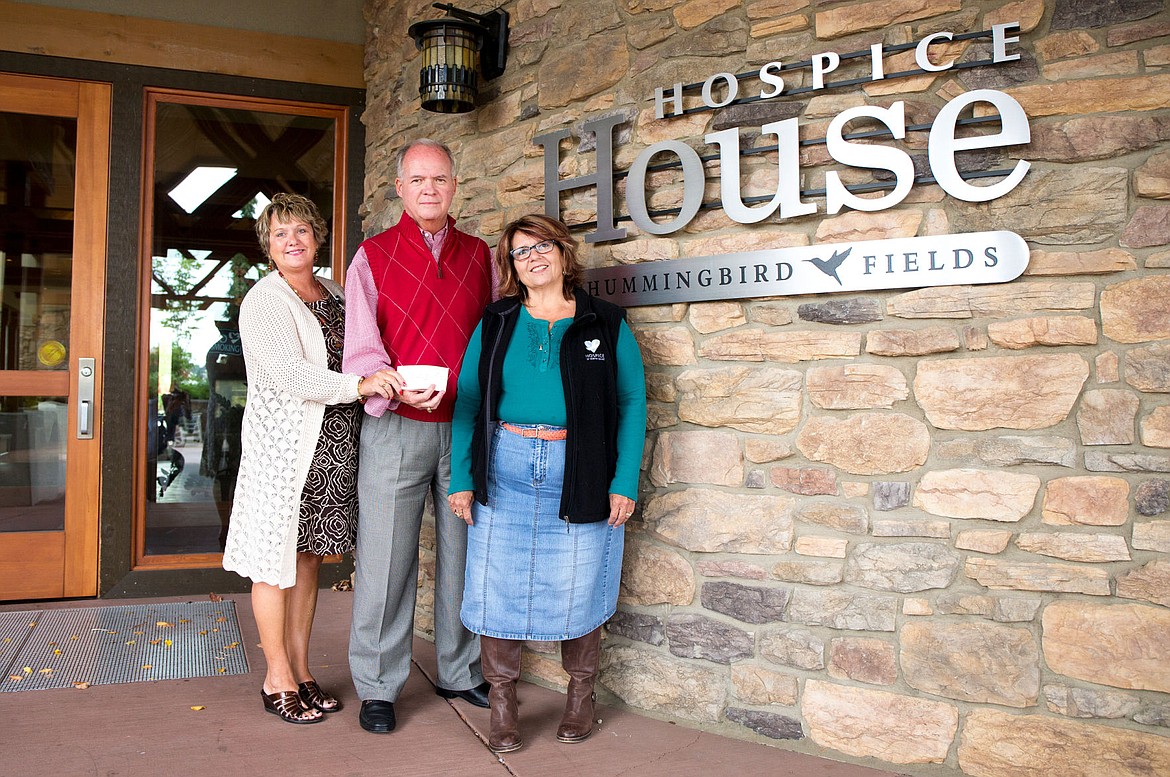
(319, 315)
(552, 314)
(316, 280)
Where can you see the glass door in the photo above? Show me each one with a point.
(212, 163)
(54, 173)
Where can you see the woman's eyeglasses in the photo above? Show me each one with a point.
(523, 253)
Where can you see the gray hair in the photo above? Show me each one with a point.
(426, 143)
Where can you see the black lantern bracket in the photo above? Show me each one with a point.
(493, 26)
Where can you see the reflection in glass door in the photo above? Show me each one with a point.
(37, 160)
(53, 178)
(212, 164)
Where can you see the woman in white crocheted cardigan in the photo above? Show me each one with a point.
(291, 324)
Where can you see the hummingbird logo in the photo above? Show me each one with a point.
(829, 266)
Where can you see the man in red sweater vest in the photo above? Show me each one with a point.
(414, 295)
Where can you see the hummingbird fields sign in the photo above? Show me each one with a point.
(898, 263)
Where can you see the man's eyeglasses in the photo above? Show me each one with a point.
(523, 253)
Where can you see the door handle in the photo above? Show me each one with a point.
(86, 370)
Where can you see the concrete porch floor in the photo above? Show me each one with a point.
(149, 728)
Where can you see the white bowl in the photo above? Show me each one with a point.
(420, 376)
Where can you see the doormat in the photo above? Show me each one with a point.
(42, 649)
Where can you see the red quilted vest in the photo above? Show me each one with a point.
(427, 310)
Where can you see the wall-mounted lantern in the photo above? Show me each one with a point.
(455, 50)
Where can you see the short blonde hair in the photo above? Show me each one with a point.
(288, 208)
(542, 228)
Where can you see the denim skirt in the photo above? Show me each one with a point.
(531, 575)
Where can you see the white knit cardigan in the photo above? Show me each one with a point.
(289, 384)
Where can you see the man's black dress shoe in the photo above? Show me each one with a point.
(377, 716)
(477, 695)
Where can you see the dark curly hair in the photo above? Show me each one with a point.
(542, 228)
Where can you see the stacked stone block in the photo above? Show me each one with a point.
(927, 527)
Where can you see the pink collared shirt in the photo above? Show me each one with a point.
(361, 320)
(435, 241)
(365, 351)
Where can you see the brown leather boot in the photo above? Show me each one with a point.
(501, 668)
(580, 658)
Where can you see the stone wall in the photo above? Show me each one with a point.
(927, 527)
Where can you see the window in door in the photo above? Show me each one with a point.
(212, 164)
(37, 161)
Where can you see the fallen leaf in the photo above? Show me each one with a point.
(198, 707)
(132, 642)
(167, 642)
(17, 678)
(74, 637)
(52, 644)
(164, 625)
(140, 633)
(221, 670)
(32, 625)
(57, 652)
(46, 671)
(213, 596)
(229, 647)
(221, 620)
(203, 633)
(155, 641)
(8, 639)
(80, 685)
(28, 670)
(184, 620)
(147, 666)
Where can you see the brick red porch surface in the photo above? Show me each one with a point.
(149, 728)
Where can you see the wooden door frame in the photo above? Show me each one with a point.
(116, 577)
(75, 548)
(339, 253)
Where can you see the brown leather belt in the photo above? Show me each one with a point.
(540, 432)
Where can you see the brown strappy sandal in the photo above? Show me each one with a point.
(287, 706)
(316, 699)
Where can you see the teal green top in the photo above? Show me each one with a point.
(531, 393)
